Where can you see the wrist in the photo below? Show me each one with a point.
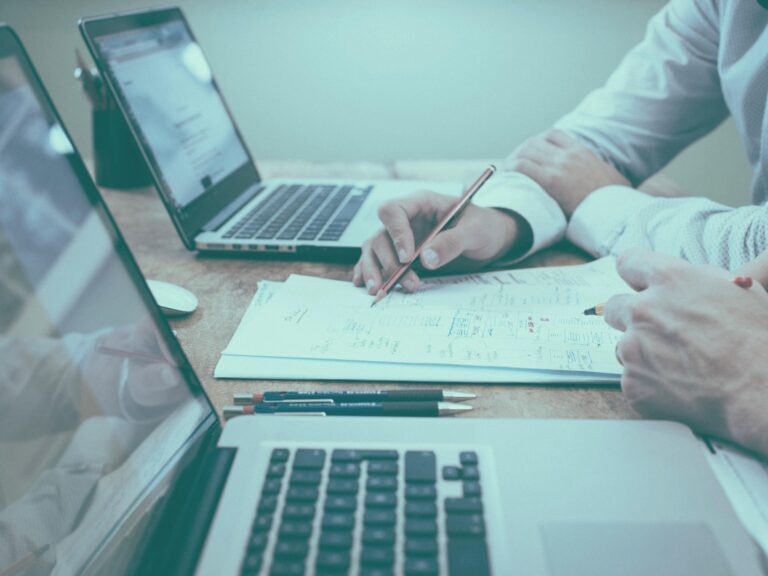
(517, 234)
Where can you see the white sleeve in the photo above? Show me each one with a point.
(518, 193)
(664, 95)
(615, 218)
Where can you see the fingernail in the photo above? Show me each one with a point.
(407, 284)
(402, 255)
(370, 284)
(430, 258)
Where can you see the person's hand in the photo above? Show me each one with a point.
(481, 235)
(694, 348)
(567, 169)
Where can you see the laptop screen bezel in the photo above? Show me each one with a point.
(191, 219)
(209, 427)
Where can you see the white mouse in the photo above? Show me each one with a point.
(172, 299)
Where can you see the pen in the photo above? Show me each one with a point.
(347, 396)
(740, 281)
(143, 356)
(446, 221)
(353, 409)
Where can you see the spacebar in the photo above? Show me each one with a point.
(468, 557)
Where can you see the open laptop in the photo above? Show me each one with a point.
(205, 175)
(113, 460)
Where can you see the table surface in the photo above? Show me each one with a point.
(225, 286)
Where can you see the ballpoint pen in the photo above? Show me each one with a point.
(452, 215)
(352, 409)
(347, 396)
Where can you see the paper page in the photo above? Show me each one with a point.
(505, 319)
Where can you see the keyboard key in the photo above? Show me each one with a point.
(251, 565)
(267, 504)
(377, 556)
(295, 530)
(301, 494)
(287, 568)
(472, 489)
(258, 542)
(332, 561)
(305, 478)
(420, 467)
(337, 486)
(417, 509)
(451, 473)
(262, 523)
(309, 459)
(378, 537)
(419, 492)
(465, 525)
(340, 456)
(420, 528)
(421, 547)
(383, 468)
(376, 571)
(340, 503)
(470, 473)
(380, 500)
(299, 511)
(348, 470)
(272, 486)
(379, 518)
(381, 484)
(291, 550)
(275, 470)
(335, 540)
(421, 567)
(468, 458)
(279, 455)
(463, 506)
(338, 522)
(468, 557)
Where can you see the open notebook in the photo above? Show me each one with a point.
(520, 326)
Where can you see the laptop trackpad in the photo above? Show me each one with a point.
(632, 550)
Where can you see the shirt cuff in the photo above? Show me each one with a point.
(519, 193)
(602, 216)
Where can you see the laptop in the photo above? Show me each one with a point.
(114, 462)
(162, 82)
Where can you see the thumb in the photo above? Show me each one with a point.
(640, 268)
(446, 247)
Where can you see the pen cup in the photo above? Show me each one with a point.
(118, 162)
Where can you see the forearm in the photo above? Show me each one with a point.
(699, 230)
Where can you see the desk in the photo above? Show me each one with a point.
(225, 286)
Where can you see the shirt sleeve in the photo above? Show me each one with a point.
(665, 94)
(520, 194)
(615, 218)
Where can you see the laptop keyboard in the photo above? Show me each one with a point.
(303, 212)
(367, 513)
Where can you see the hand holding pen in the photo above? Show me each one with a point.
(479, 236)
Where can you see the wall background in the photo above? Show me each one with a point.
(397, 79)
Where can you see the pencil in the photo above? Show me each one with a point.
(740, 281)
(446, 221)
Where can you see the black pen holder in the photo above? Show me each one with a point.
(118, 162)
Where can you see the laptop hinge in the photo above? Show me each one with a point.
(180, 533)
(230, 210)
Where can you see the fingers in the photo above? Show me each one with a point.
(397, 217)
(539, 151)
(529, 168)
(446, 247)
(617, 312)
(377, 262)
(756, 269)
(642, 268)
(559, 138)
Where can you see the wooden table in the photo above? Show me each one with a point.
(225, 286)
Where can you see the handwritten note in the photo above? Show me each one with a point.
(527, 319)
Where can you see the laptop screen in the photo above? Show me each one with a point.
(166, 89)
(96, 399)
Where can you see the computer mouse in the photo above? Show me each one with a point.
(172, 299)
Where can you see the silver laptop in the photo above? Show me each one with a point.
(205, 175)
(114, 462)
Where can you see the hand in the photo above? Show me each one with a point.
(480, 236)
(567, 169)
(694, 347)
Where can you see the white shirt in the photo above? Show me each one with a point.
(700, 61)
